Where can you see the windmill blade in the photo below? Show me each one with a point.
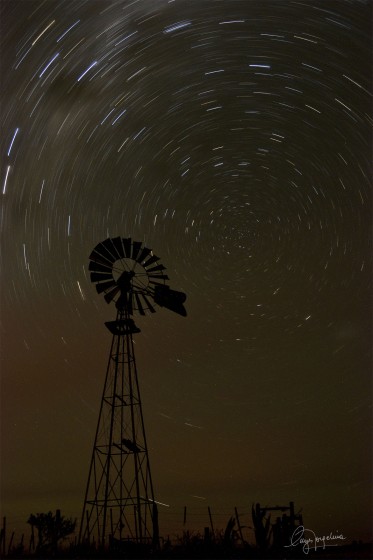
(151, 261)
(151, 308)
(96, 267)
(98, 277)
(144, 253)
(117, 247)
(139, 304)
(158, 276)
(127, 247)
(100, 248)
(104, 286)
(136, 246)
(108, 244)
(109, 296)
(117, 242)
(155, 268)
(96, 257)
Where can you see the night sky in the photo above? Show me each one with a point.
(234, 139)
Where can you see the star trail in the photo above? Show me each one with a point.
(234, 139)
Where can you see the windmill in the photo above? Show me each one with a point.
(119, 503)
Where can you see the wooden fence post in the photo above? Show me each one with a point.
(212, 526)
(3, 537)
(239, 524)
(10, 543)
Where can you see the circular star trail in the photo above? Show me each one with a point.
(233, 138)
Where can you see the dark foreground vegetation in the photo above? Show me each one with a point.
(50, 535)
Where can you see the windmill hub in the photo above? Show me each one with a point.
(124, 280)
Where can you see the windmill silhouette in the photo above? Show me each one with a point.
(119, 503)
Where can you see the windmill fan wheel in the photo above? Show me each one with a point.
(127, 273)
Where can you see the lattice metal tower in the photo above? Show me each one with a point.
(119, 501)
